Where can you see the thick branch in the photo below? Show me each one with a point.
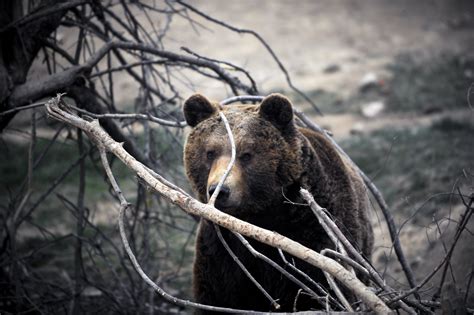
(98, 135)
(21, 37)
(32, 90)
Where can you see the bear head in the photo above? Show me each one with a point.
(269, 153)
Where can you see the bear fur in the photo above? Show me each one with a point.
(274, 159)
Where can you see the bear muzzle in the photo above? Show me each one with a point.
(222, 200)
(227, 200)
(230, 194)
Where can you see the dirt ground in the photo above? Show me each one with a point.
(309, 36)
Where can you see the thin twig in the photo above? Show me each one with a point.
(19, 108)
(338, 292)
(304, 275)
(275, 305)
(346, 259)
(149, 117)
(245, 72)
(213, 198)
(78, 263)
(273, 264)
(322, 219)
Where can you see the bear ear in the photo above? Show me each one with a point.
(277, 109)
(197, 108)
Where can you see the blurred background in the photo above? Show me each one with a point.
(393, 80)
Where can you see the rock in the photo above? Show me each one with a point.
(90, 291)
(372, 109)
(432, 109)
(357, 129)
(60, 38)
(468, 73)
(332, 68)
(368, 80)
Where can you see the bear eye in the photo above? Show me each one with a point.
(246, 157)
(210, 155)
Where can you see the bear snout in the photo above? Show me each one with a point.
(230, 195)
(222, 200)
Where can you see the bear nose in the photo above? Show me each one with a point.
(223, 196)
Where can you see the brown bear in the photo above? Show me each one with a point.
(274, 159)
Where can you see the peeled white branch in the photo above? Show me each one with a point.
(193, 206)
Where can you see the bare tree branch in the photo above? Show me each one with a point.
(210, 213)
